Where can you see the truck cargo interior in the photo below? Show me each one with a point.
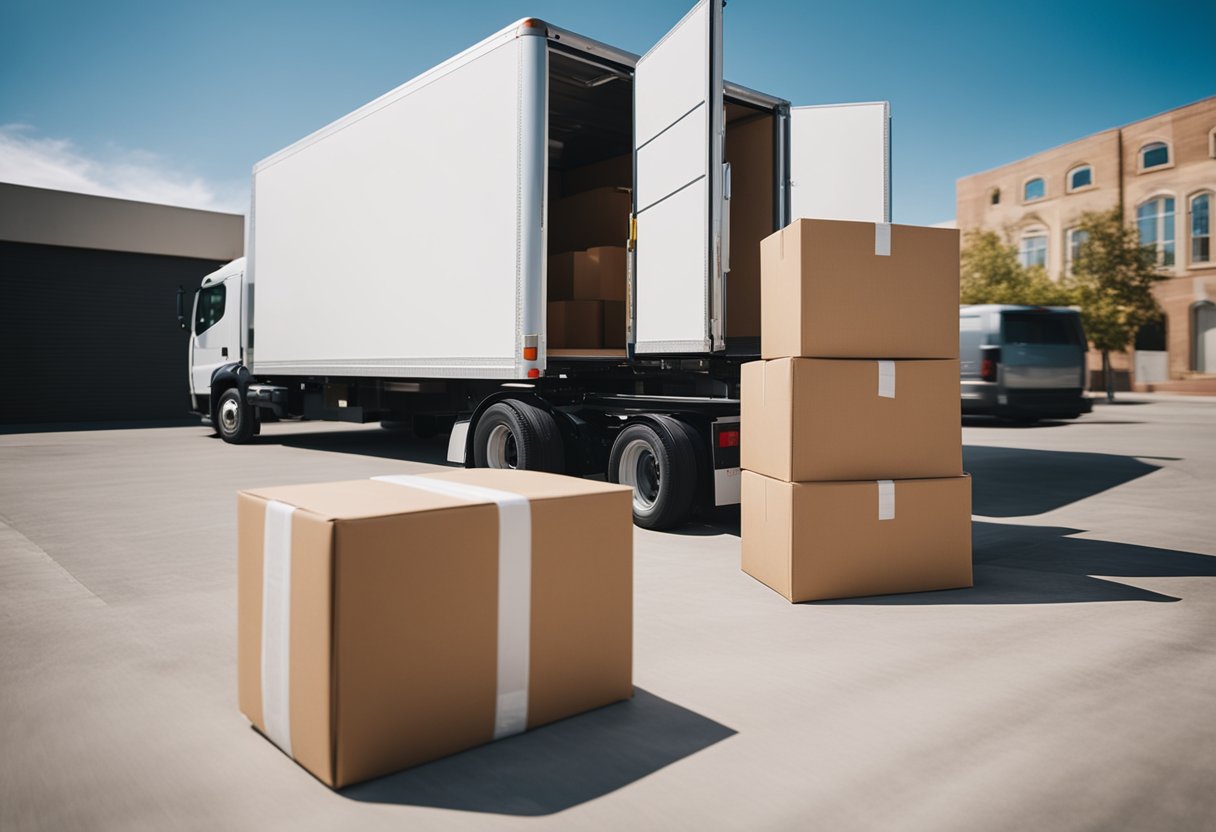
(590, 180)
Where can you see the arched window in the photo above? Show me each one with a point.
(1082, 176)
(994, 197)
(1155, 220)
(1212, 142)
(1032, 249)
(1154, 155)
(1034, 189)
(1201, 228)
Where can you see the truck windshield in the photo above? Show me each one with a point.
(1040, 328)
(210, 308)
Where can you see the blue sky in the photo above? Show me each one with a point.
(175, 101)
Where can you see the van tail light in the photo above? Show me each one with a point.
(990, 361)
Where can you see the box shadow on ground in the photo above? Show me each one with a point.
(1017, 564)
(1016, 482)
(557, 766)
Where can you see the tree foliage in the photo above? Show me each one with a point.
(1112, 281)
(991, 273)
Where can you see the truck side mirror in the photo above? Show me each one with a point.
(181, 309)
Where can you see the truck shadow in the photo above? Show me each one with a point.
(1017, 564)
(557, 766)
(366, 441)
(1015, 482)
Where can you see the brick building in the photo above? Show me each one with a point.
(1161, 173)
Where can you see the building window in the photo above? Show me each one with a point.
(1212, 142)
(1155, 220)
(1201, 228)
(1154, 155)
(1033, 249)
(1075, 238)
(1079, 177)
(995, 197)
(1034, 189)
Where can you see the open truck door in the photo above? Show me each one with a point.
(677, 196)
(840, 162)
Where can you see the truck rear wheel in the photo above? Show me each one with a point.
(515, 434)
(234, 419)
(659, 461)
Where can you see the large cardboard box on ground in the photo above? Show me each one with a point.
(835, 289)
(383, 624)
(811, 541)
(575, 324)
(599, 217)
(851, 419)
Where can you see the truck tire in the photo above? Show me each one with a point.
(234, 419)
(515, 434)
(658, 459)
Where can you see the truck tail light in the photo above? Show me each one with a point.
(728, 439)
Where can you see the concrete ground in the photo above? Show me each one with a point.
(1074, 688)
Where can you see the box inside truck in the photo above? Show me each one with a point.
(589, 202)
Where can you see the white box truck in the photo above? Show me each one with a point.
(403, 261)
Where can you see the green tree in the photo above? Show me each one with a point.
(1112, 281)
(991, 273)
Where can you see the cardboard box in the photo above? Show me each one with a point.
(599, 273)
(749, 151)
(599, 217)
(560, 276)
(833, 289)
(614, 324)
(575, 324)
(851, 419)
(383, 624)
(811, 541)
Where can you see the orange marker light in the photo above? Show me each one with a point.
(529, 353)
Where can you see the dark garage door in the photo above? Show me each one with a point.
(92, 336)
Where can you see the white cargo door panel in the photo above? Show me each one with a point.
(840, 162)
(677, 155)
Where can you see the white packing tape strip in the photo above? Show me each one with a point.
(276, 624)
(886, 499)
(514, 592)
(882, 239)
(886, 379)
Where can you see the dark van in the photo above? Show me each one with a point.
(1022, 362)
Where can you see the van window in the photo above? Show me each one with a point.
(1039, 328)
(210, 308)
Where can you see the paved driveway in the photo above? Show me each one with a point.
(1073, 688)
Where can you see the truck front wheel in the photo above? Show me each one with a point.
(658, 459)
(234, 418)
(515, 434)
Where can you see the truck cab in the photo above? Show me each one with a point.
(215, 333)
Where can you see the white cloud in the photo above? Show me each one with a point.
(28, 159)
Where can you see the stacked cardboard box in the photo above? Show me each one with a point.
(587, 298)
(386, 622)
(852, 447)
